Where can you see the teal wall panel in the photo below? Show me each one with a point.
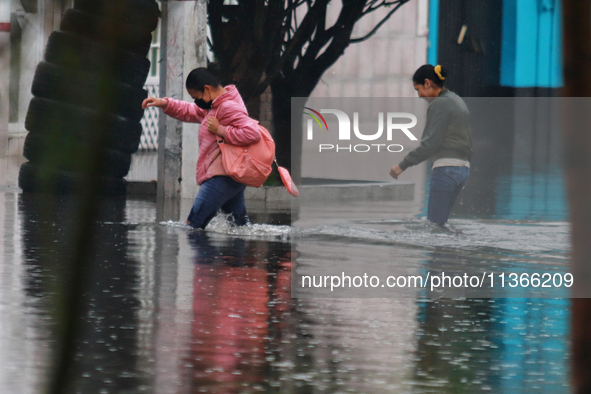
(531, 54)
(433, 32)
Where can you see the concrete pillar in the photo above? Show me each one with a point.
(4, 73)
(29, 21)
(183, 48)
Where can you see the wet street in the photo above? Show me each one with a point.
(170, 310)
(342, 290)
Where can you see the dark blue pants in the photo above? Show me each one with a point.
(446, 185)
(219, 192)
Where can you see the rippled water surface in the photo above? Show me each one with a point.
(172, 310)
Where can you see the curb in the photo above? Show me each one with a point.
(378, 191)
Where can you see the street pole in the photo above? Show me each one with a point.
(4, 73)
(184, 44)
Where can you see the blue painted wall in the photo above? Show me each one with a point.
(433, 32)
(531, 52)
(531, 48)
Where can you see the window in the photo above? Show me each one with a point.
(154, 54)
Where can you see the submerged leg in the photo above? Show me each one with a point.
(214, 194)
(440, 196)
(237, 208)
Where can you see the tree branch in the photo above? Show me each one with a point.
(321, 38)
(372, 6)
(266, 38)
(377, 27)
(294, 47)
(223, 57)
(350, 14)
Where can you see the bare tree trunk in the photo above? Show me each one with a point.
(577, 140)
(287, 132)
(281, 108)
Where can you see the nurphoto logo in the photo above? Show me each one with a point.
(393, 124)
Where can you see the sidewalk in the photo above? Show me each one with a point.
(143, 175)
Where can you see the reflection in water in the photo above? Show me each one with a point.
(240, 290)
(511, 345)
(107, 333)
(171, 310)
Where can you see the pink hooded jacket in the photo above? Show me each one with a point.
(239, 129)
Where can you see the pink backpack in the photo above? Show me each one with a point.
(249, 164)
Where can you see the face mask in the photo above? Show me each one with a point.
(204, 104)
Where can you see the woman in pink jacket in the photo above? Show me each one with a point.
(222, 114)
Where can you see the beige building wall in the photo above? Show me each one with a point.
(381, 66)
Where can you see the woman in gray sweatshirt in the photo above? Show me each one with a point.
(447, 140)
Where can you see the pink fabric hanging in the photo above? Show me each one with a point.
(287, 182)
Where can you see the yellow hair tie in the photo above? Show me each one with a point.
(438, 72)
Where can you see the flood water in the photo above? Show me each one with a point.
(169, 310)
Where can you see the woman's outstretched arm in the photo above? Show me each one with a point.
(181, 110)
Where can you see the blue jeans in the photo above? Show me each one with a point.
(446, 185)
(219, 192)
